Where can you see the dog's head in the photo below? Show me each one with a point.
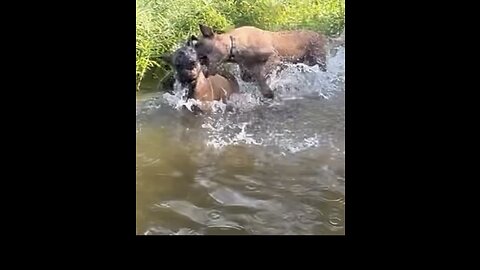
(210, 48)
(185, 62)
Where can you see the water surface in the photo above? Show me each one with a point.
(264, 168)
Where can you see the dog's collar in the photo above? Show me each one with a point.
(232, 46)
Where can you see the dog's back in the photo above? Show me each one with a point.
(222, 87)
(214, 88)
(285, 42)
(295, 45)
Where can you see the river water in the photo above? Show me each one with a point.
(270, 168)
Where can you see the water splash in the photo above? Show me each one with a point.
(285, 174)
(295, 83)
(221, 135)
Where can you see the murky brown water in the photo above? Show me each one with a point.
(275, 168)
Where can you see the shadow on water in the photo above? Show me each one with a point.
(265, 168)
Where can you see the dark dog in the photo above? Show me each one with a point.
(259, 52)
(190, 74)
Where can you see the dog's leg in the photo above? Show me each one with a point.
(260, 78)
(317, 56)
(322, 62)
(262, 71)
(319, 59)
(264, 88)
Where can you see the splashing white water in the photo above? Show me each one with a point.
(294, 82)
(178, 101)
(220, 135)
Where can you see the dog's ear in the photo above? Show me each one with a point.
(192, 41)
(206, 31)
(167, 58)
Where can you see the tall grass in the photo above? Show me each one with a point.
(162, 24)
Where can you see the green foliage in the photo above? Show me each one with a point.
(162, 24)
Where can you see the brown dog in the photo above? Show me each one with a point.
(190, 74)
(259, 52)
